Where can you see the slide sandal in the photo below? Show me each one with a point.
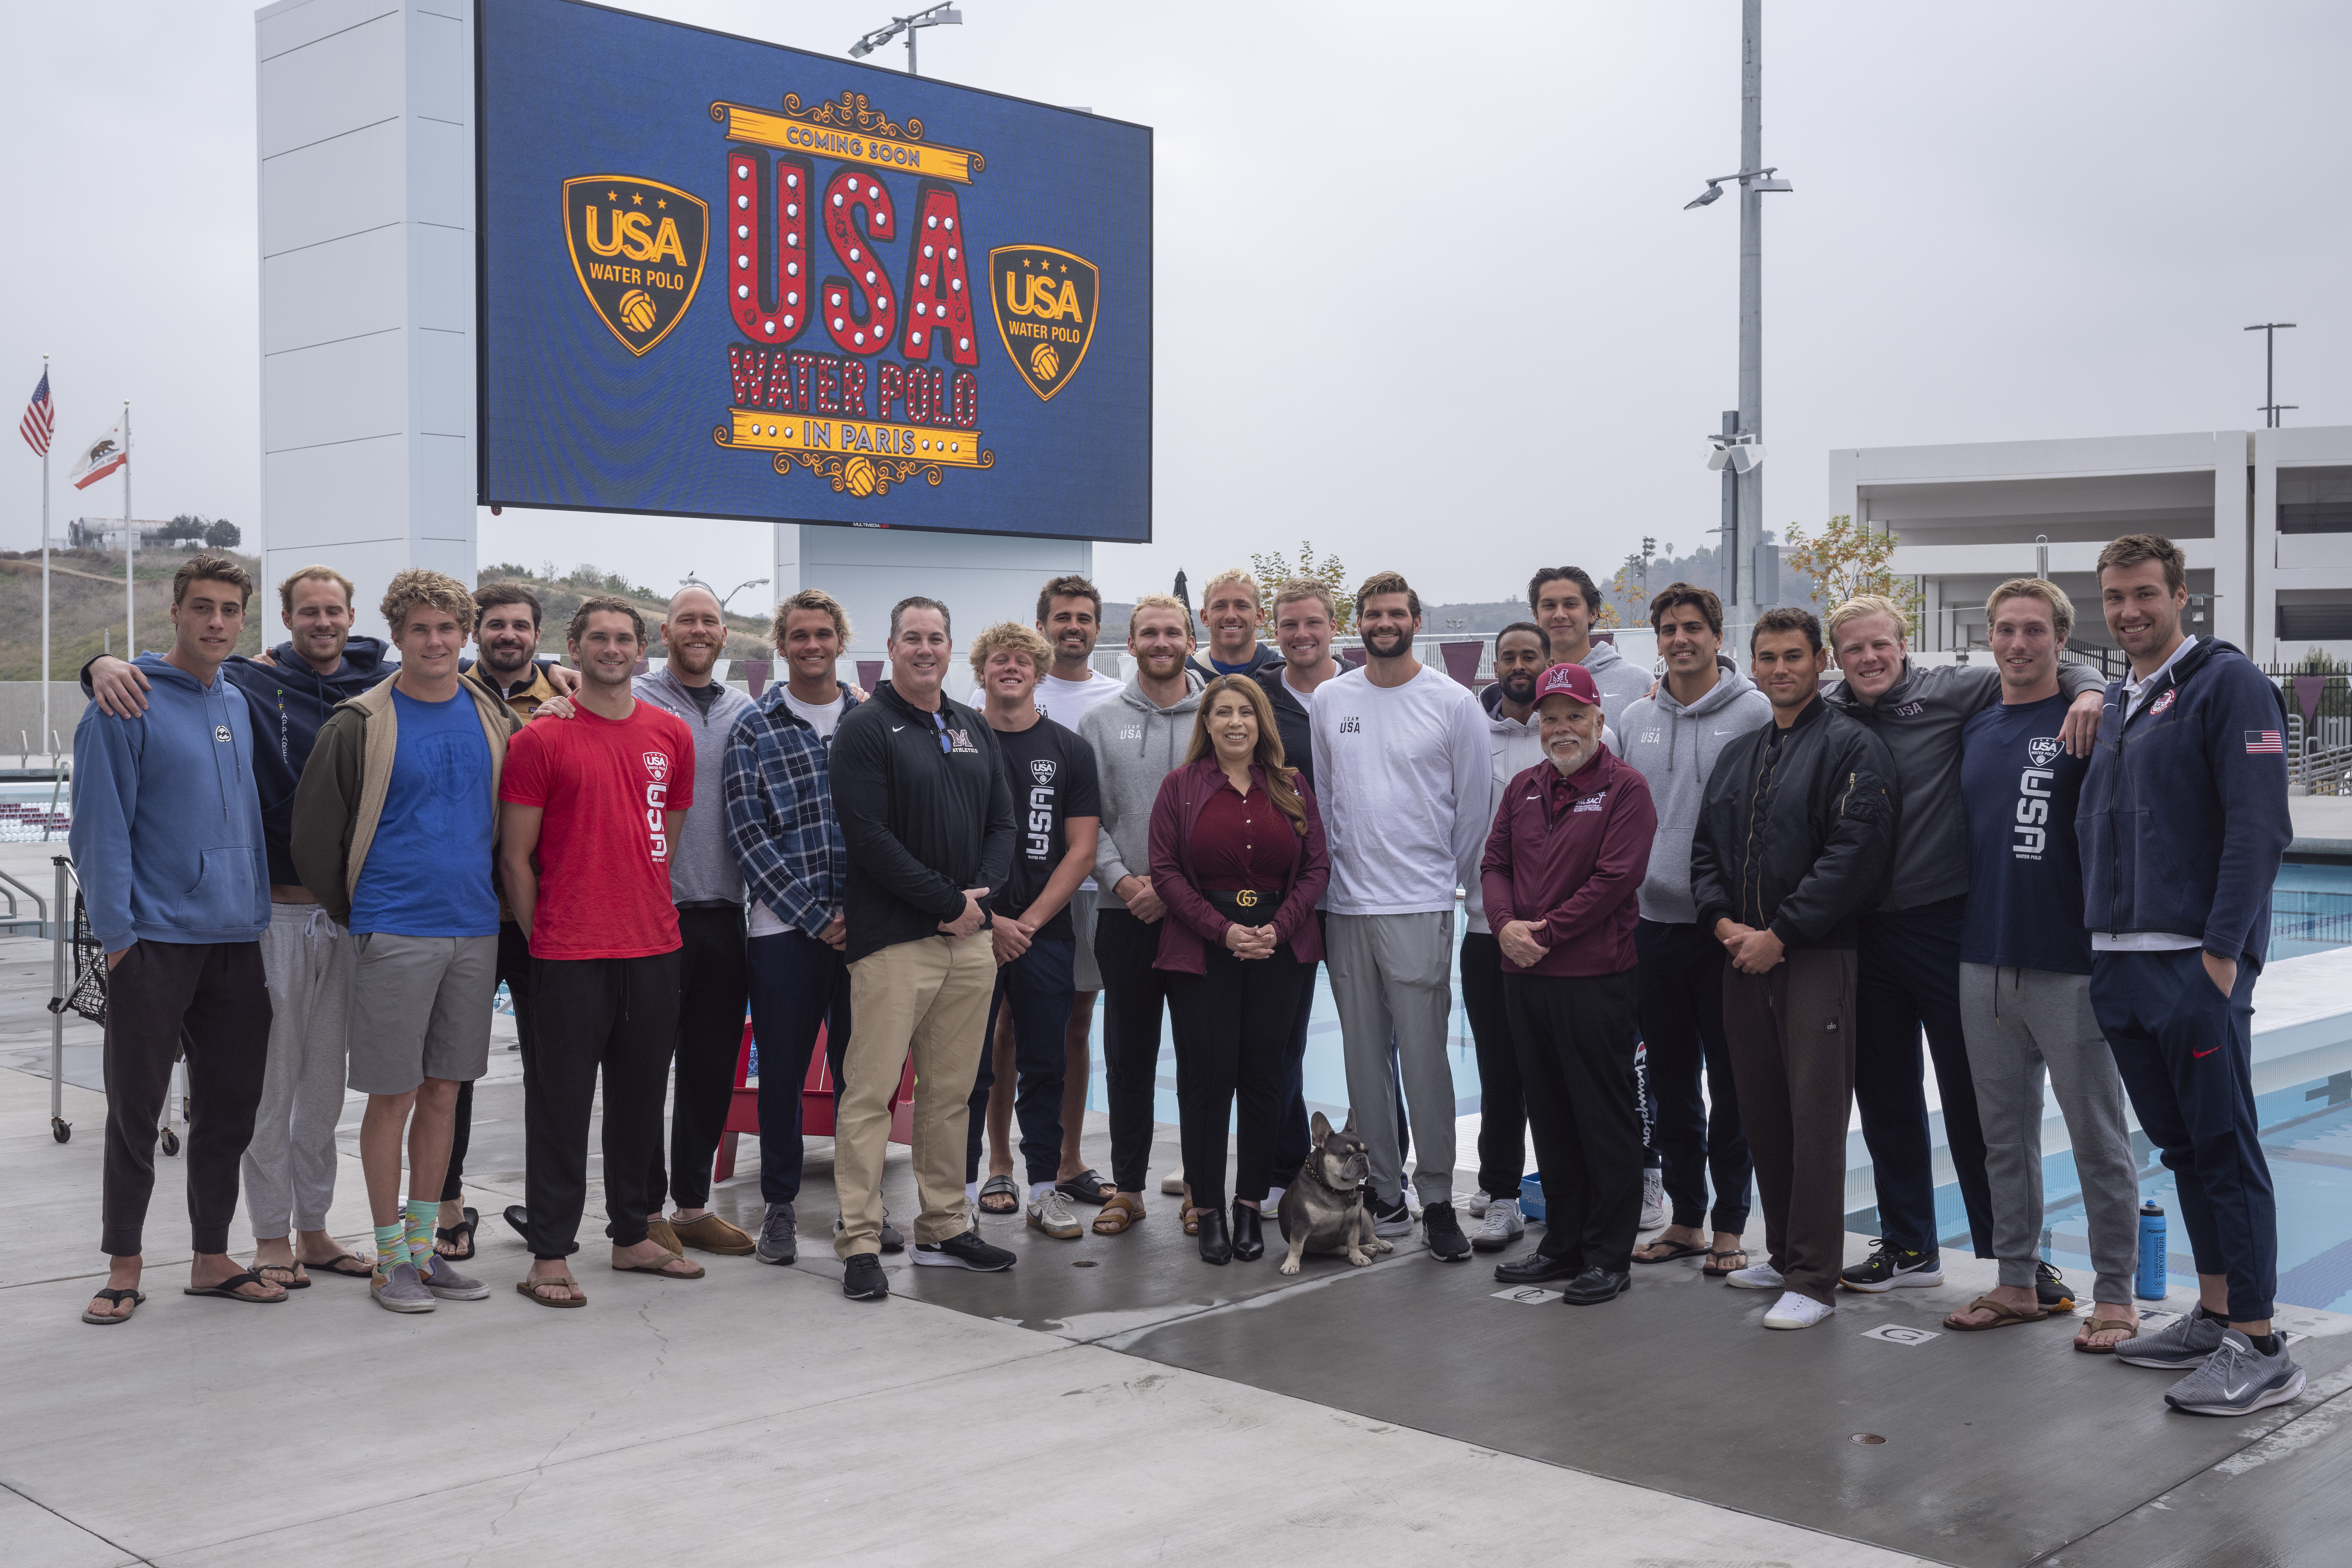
(1003, 1187)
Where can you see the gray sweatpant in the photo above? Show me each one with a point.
(289, 1166)
(2016, 1021)
(1391, 976)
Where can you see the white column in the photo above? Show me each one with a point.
(366, 155)
(2235, 595)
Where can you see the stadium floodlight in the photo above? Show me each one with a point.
(1740, 454)
(945, 16)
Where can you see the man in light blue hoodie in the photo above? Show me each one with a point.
(1672, 738)
(167, 842)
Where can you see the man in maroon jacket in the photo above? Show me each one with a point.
(1565, 857)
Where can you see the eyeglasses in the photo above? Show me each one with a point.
(940, 722)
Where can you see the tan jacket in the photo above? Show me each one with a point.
(340, 798)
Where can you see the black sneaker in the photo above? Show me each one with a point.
(2049, 1287)
(1890, 1268)
(1446, 1242)
(862, 1280)
(965, 1251)
(1390, 1220)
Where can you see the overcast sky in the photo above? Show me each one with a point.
(1501, 339)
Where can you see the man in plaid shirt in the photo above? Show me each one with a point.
(781, 823)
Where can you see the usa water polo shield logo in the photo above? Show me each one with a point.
(638, 247)
(657, 766)
(2043, 750)
(1044, 301)
(1041, 770)
(2163, 702)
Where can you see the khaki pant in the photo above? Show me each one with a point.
(929, 997)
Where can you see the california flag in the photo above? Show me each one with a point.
(99, 459)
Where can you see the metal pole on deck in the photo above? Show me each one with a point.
(59, 929)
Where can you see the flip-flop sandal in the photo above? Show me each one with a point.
(1000, 1187)
(662, 1268)
(1719, 1271)
(1120, 1212)
(360, 1267)
(2099, 1325)
(105, 1320)
(462, 1232)
(226, 1289)
(287, 1270)
(1681, 1249)
(1087, 1187)
(531, 1288)
(2004, 1316)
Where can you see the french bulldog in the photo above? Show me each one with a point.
(1324, 1211)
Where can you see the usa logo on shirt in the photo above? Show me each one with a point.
(2043, 750)
(657, 766)
(1042, 770)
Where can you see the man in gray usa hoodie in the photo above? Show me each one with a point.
(1673, 739)
(1138, 739)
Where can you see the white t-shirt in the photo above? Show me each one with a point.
(1403, 775)
(825, 717)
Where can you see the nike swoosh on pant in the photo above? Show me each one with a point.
(2208, 1051)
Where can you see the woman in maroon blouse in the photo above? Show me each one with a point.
(1237, 855)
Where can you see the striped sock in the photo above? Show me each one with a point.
(421, 1216)
(391, 1246)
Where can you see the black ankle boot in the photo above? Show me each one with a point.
(1216, 1242)
(1249, 1241)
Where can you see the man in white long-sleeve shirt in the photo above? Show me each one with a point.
(1401, 772)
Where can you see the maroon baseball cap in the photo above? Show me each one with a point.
(1568, 681)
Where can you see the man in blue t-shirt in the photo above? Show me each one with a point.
(393, 832)
(2025, 981)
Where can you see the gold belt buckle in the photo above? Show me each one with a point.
(1246, 898)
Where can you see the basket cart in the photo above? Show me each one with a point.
(77, 985)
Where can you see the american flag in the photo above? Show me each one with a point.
(2263, 743)
(40, 418)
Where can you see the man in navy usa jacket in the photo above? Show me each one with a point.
(2182, 822)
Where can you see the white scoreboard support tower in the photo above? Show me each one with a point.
(368, 340)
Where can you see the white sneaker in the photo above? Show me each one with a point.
(1755, 1277)
(1653, 1199)
(1271, 1204)
(1795, 1311)
(1503, 1226)
(1172, 1183)
(1476, 1206)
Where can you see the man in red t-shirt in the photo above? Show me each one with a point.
(589, 810)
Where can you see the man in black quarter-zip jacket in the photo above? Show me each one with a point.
(1793, 841)
(927, 817)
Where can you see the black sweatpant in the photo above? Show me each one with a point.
(1575, 1035)
(1502, 1103)
(714, 987)
(514, 972)
(1679, 984)
(1910, 978)
(619, 1013)
(213, 996)
(1133, 996)
(1233, 1040)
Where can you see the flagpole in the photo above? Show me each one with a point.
(130, 543)
(45, 731)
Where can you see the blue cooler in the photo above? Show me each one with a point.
(1531, 1196)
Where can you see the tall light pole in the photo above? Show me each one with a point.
(1743, 477)
(2272, 408)
(944, 16)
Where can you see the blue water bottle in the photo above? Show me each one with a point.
(2149, 1287)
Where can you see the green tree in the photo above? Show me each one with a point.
(1272, 569)
(1847, 560)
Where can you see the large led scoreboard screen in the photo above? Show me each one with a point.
(724, 278)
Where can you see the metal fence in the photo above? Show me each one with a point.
(2302, 915)
(2318, 729)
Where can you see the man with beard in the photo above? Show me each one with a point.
(1070, 617)
(1138, 742)
(589, 811)
(1561, 871)
(1515, 744)
(1231, 614)
(1403, 769)
(1672, 740)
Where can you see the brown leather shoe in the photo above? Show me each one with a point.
(711, 1234)
(659, 1229)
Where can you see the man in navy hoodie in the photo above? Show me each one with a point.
(166, 841)
(2182, 823)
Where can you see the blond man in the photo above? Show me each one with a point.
(1232, 612)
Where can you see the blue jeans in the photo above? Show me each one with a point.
(1037, 986)
(797, 983)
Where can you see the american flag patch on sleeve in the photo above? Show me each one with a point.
(2260, 742)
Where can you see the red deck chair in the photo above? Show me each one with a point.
(817, 1103)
